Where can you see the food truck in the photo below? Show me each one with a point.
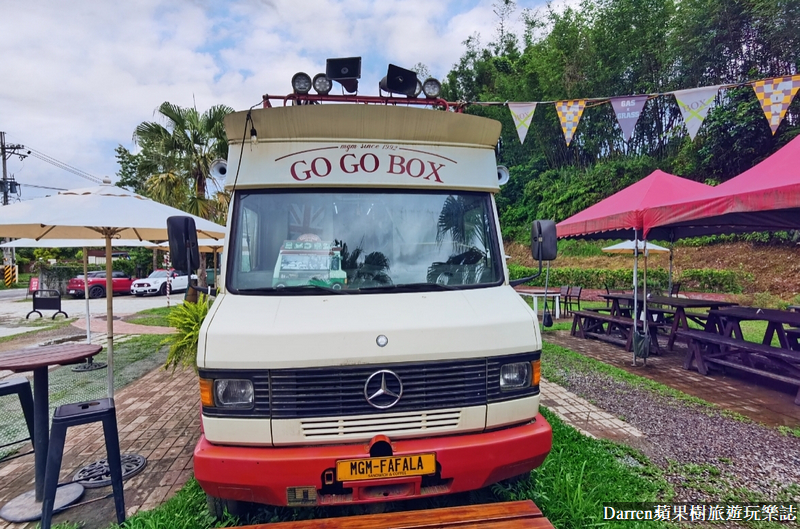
(366, 344)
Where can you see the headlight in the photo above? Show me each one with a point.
(515, 376)
(233, 393)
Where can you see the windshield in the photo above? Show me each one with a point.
(358, 242)
(158, 273)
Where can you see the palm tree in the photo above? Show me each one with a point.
(177, 156)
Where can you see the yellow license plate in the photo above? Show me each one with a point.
(385, 467)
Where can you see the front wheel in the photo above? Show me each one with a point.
(163, 290)
(218, 506)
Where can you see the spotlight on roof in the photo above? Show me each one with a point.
(432, 88)
(399, 81)
(301, 83)
(346, 71)
(322, 85)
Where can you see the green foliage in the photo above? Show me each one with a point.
(582, 473)
(580, 248)
(618, 47)
(713, 280)
(597, 278)
(764, 300)
(187, 319)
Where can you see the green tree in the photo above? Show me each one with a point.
(178, 154)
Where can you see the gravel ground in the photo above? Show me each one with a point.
(706, 455)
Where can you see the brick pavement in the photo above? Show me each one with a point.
(158, 418)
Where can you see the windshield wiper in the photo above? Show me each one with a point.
(292, 289)
(410, 287)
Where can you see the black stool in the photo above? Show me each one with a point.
(74, 415)
(21, 387)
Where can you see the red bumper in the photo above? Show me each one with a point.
(468, 462)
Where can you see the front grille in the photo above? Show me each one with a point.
(341, 427)
(339, 391)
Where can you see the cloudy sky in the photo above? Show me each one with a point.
(77, 77)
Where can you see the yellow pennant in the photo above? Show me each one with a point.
(569, 113)
(775, 95)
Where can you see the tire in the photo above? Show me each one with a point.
(280, 285)
(97, 292)
(218, 506)
(163, 290)
(336, 286)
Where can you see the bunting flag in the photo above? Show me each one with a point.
(569, 113)
(522, 114)
(695, 104)
(775, 96)
(627, 110)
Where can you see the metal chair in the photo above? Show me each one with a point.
(574, 297)
(22, 388)
(673, 292)
(73, 415)
(562, 296)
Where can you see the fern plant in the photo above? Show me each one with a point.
(187, 319)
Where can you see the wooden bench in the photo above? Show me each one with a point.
(708, 347)
(507, 515)
(612, 329)
(793, 336)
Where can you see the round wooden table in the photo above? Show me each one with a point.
(28, 506)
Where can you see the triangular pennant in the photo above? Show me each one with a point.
(522, 114)
(695, 104)
(775, 96)
(569, 113)
(627, 110)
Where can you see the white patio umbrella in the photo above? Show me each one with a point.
(628, 246)
(103, 212)
(78, 243)
(636, 247)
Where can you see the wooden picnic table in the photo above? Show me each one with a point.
(680, 320)
(723, 343)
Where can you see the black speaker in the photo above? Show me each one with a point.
(399, 81)
(183, 250)
(345, 71)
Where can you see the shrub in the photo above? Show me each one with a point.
(764, 300)
(712, 280)
(187, 319)
(598, 278)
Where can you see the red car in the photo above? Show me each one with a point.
(120, 281)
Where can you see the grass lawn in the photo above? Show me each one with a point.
(156, 317)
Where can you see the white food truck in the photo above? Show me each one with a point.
(417, 373)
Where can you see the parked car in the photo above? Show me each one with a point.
(156, 283)
(121, 283)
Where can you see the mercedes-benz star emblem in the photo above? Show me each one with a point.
(383, 389)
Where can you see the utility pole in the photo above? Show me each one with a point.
(6, 151)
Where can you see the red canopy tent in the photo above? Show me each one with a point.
(619, 215)
(765, 197)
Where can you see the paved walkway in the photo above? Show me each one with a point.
(158, 418)
(98, 325)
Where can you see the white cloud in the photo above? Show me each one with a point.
(78, 77)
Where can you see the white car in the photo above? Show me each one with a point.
(156, 283)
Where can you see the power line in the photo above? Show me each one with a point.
(42, 187)
(62, 165)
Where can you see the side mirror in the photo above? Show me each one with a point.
(544, 240)
(183, 250)
(544, 246)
